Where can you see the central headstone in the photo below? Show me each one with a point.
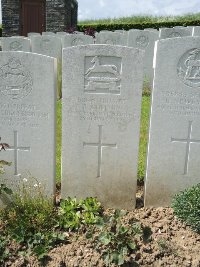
(102, 88)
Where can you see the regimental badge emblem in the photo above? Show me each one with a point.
(77, 41)
(103, 75)
(16, 46)
(188, 68)
(16, 80)
(142, 41)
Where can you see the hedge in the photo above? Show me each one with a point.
(0, 32)
(127, 26)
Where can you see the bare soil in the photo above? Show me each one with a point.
(172, 243)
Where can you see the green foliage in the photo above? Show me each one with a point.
(186, 207)
(141, 25)
(118, 240)
(73, 214)
(3, 188)
(2, 164)
(166, 247)
(30, 220)
(145, 19)
(162, 244)
(4, 251)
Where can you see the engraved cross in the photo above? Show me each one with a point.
(100, 147)
(17, 148)
(187, 141)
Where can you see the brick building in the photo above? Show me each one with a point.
(22, 16)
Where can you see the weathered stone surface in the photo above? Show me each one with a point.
(174, 139)
(196, 31)
(145, 40)
(102, 88)
(27, 118)
(112, 38)
(76, 39)
(48, 33)
(33, 34)
(61, 33)
(151, 30)
(190, 28)
(174, 32)
(61, 14)
(47, 45)
(16, 44)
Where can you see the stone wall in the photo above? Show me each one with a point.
(10, 17)
(74, 16)
(60, 15)
(55, 15)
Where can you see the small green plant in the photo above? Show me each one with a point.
(31, 220)
(186, 207)
(4, 251)
(3, 163)
(163, 245)
(5, 189)
(166, 247)
(146, 87)
(117, 239)
(73, 213)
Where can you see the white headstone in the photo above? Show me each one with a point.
(33, 34)
(174, 139)
(144, 40)
(196, 31)
(111, 38)
(16, 44)
(125, 35)
(174, 32)
(77, 32)
(189, 28)
(119, 31)
(61, 33)
(151, 30)
(76, 39)
(47, 45)
(102, 87)
(27, 117)
(48, 33)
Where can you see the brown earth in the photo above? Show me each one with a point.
(172, 243)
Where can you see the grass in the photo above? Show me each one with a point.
(142, 19)
(143, 138)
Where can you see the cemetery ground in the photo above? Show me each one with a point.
(145, 236)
